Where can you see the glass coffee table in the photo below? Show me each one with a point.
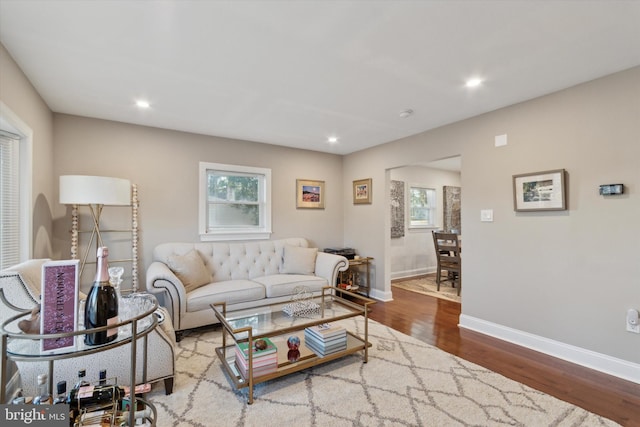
(247, 326)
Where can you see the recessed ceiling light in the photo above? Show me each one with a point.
(332, 139)
(474, 82)
(143, 104)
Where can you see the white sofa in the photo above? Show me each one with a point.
(20, 286)
(188, 277)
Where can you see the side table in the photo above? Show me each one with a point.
(139, 320)
(357, 277)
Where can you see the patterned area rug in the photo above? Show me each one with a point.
(427, 285)
(405, 383)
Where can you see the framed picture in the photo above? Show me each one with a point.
(309, 194)
(539, 191)
(59, 304)
(362, 191)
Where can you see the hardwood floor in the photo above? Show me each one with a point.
(435, 321)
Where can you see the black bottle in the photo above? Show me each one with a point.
(101, 308)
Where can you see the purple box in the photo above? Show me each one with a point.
(59, 304)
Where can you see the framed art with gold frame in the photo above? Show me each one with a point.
(362, 191)
(309, 194)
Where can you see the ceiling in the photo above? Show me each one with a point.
(295, 73)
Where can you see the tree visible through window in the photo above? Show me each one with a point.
(422, 207)
(235, 201)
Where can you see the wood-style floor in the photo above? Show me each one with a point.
(435, 321)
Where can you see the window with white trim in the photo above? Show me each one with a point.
(422, 207)
(9, 200)
(235, 202)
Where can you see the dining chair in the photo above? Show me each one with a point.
(448, 257)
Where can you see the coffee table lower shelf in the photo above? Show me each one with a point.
(308, 359)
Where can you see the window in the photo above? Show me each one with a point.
(235, 202)
(422, 210)
(16, 152)
(9, 200)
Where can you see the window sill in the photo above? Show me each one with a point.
(235, 235)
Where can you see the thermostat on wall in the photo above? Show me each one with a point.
(610, 189)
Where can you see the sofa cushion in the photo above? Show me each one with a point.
(229, 291)
(298, 260)
(190, 269)
(278, 285)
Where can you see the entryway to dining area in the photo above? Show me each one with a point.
(425, 199)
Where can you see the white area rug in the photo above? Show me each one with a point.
(405, 383)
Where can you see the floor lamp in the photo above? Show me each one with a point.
(95, 192)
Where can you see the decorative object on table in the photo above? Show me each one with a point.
(101, 307)
(325, 339)
(539, 191)
(59, 303)
(264, 359)
(362, 191)
(97, 192)
(115, 278)
(302, 304)
(309, 194)
(397, 209)
(293, 342)
(451, 209)
(32, 324)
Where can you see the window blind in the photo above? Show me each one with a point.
(9, 200)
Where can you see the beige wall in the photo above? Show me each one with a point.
(24, 102)
(568, 277)
(164, 165)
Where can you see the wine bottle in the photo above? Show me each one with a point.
(101, 308)
(103, 377)
(95, 395)
(43, 397)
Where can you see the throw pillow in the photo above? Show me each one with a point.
(299, 260)
(190, 269)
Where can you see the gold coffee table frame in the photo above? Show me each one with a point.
(270, 321)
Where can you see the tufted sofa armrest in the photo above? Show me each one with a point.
(161, 281)
(329, 265)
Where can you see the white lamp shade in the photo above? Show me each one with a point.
(94, 190)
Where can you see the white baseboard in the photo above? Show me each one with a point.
(412, 273)
(600, 362)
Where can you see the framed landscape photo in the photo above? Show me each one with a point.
(362, 191)
(539, 191)
(309, 194)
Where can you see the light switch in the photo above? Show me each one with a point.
(501, 140)
(486, 215)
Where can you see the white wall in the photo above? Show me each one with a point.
(414, 254)
(560, 279)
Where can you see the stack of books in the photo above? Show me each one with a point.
(265, 360)
(325, 339)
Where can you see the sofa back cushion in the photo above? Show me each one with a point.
(190, 269)
(234, 261)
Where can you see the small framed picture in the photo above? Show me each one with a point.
(362, 191)
(309, 194)
(539, 191)
(59, 304)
